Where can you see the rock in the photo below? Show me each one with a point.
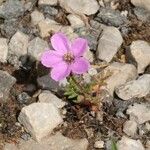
(3, 50)
(12, 9)
(92, 71)
(119, 74)
(18, 44)
(134, 89)
(47, 83)
(142, 14)
(47, 2)
(39, 119)
(87, 7)
(139, 112)
(110, 17)
(47, 26)
(129, 144)
(109, 43)
(23, 98)
(36, 17)
(145, 4)
(130, 128)
(48, 97)
(99, 144)
(36, 47)
(89, 55)
(6, 83)
(148, 145)
(140, 51)
(10, 146)
(75, 21)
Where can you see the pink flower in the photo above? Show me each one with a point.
(66, 58)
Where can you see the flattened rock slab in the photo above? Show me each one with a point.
(129, 144)
(109, 43)
(39, 119)
(139, 112)
(135, 89)
(140, 50)
(87, 7)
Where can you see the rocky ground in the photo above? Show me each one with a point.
(35, 114)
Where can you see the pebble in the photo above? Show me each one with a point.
(110, 17)
(109, 43)
(89, 55)
(129, 144)
(6, 83)
(87, 7)
(36, 47)
(139, 112)
(3, 50)
(19, 43)
(23, 98)
(119, 73)
(75, 21)
(48, 97)
(140, 51)
(39, 119)
(145, 4)
(48, 2)
(99, 144)
(36, 17)
(130, 128)
(134, 89)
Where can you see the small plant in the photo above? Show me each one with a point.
(113, 145)
(67, 61)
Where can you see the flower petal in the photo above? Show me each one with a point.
(50, 58)
(60, 43)
(80, 66)
(60, 71)
(79, 46)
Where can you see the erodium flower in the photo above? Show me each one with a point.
(66, 57)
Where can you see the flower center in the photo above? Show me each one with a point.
(68, 57)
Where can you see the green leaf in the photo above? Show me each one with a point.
(113, 145)
(74, 95)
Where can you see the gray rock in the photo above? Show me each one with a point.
(3, 50)
(12, 9)
(118, 74)
(18, 44)
(130, 128)
(109, 43)
(145, 4)
(36, 47)
(23, 98)
(139, 112)
(48, 97)
(47, 2)
(135, 89)
(39, 119)
(110, 17)
(129, 144)
(142, 14)
(140, 51)
(6, 83)
(87, 7)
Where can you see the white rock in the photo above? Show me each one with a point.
(92, 71)
(36, 17)
(48, 26)
(134, 89)
(109, 43)
(48, 97)
(87, 7)
(140, 51)
(39, 119)
(130, 128)
(47, 2)
(139, 112)
(119, 74)
(75, 21)
(99, 144)
(36, 47)
(3, 50)
(19, 43)
(142, 3)
(129, 144)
